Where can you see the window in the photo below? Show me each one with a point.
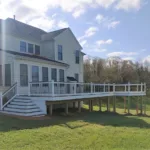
(30, 48)
(61, 75)
(23, 75)
(77, 77)
(35, 74)
(77, 56)
(44, 74)
(54, 74)
(0, 74)
(23, 46)
(60, 55)
(7, 75)
(37, 50)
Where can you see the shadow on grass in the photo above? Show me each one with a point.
(8, 123)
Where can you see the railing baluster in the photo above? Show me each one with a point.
(1, 101)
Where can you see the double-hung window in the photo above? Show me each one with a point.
(23, 46)
(60, 52)
(37, 50)
(61, 75)
(45, 74)
(54, 74)
(35, 74)
(77, 56)
(30, 48)
(23, 75)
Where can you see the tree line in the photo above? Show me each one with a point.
(115, 70)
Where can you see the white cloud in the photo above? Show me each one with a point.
(43, 23)
(83, 42)
(146, 59)
(106, 21)
(113, 24)
(63, 24)
(128, 58)
(99, 18)
(129, 4)
(28, 10)
(122, 53)
(77, 13)
(100, 50)
(89, 32)
(103, 42)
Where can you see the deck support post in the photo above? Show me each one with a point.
(90, 105)
(125, 106)
(108, 104)
(128, 104)
(145, 106)
(141, 105)
(66, 109)
(137, 106)
(114, 104)
(51, 109)
(100, 105)
(79, 106)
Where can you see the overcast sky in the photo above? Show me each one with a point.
(103, 27)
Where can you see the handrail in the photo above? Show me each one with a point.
(8, 97)
(9, 89)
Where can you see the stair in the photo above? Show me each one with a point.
(22, 106)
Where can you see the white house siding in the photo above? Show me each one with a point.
(7, 59)
(70, 45)
(48, 49)
(12, 42)
(30, 63)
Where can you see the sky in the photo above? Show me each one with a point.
(104, 28)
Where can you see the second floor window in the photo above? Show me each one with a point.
(77, 57)
(60, 54)
(23, 46)
(30, 48)
(37, 50)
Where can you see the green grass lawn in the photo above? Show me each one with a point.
(85, 131)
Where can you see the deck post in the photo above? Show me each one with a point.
(53, 89)
(125, 107)
(128, 104)
(100, 105)
(51, 109)
(66, 109)
(1, 101)
(108, 104)
(114, 104)
(141, 105)
(91, 87)
(145, 106)
(79, 106)
(89, 105)
(137, 106)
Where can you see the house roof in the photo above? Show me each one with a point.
(15, 27)
(33, 56)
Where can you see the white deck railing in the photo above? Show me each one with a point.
(6, 97)
(64, 88)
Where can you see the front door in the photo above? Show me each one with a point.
(7, 75)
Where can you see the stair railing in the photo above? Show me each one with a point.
(8, 96)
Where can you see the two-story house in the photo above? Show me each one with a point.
(29, 54)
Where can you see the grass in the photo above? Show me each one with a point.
(85, 131)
